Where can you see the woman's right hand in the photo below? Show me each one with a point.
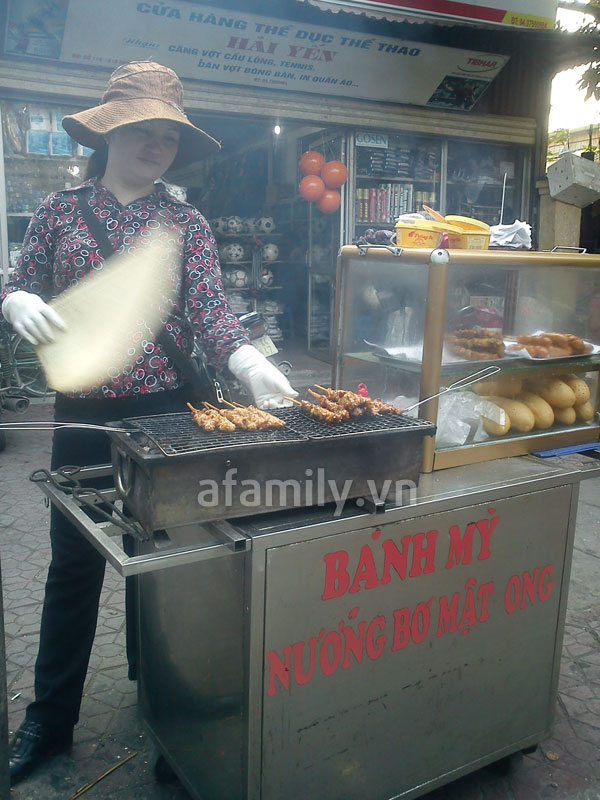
(31, 317)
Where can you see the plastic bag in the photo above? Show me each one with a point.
(517, 235)
(412, 217)
(459, 417)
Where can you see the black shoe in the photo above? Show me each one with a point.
(31, 745)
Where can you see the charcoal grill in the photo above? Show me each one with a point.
(168, 471)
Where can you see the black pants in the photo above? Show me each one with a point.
(76, 572)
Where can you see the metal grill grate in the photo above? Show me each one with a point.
(316, 429)
(178, 434)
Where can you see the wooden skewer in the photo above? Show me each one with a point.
(322, 388)
(208, 405)
(227, 403)
(292, 399)
(191, 407)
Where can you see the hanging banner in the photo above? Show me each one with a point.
(206, 43)
(522, 13)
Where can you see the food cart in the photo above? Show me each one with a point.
(372, 654)
(364, 612)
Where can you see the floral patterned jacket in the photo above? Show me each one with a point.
(58, 251)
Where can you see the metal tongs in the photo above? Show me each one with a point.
(90, 497)
(51, 425)
(468, 380)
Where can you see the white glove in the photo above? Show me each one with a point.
(30, 316)
(266, 383)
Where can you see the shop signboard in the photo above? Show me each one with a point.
(522, 13)
(206, 43)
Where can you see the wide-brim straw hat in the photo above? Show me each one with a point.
(136, 92)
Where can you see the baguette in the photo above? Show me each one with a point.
(566, 416)
(579, 388)
(521, 416)
(556, 392)
(541, 410)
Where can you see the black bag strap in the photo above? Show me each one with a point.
(96, 228)
(186, 366)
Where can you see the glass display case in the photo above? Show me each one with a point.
(410, 323)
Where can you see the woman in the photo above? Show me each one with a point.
(138, 131)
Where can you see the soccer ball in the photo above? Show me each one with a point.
(266, 277)
(219, 225)
(235, 225)
(270, 252)
(319, 253)
(264, 224)
(236, 277)
(319, 225)
(233, 252)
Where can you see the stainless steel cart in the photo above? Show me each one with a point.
(368, 656)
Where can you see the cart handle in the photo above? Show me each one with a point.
(106, 537)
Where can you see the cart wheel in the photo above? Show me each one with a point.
(163, 772)
(506, 765)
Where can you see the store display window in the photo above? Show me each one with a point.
(484, 181)
(397, 176)
(39, 158)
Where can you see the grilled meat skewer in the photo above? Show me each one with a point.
(354, 401)
(320, 413)
(209, 419)
(264, 419)
(322, 401)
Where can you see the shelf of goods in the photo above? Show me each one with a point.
(250, 266)
(395, 180)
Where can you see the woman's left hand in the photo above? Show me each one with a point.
(268, 385)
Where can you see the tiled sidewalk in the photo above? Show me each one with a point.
(566, 766)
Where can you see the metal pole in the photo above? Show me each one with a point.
(4, 259)
(4, 773)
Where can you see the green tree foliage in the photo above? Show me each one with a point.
(590, 79)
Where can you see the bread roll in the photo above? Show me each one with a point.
(542, 411)
(565, 416)
(579, 387)
(495, 428)
(505, 386)
(521, 417)
(556, 392)
(584, 411)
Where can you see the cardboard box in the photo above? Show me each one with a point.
(61, 144)
(38, 142)
(574, 180)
